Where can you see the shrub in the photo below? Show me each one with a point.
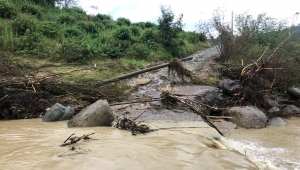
(202, 37)
(66, 19)
(22, 23)
(101, 17)
(123, 21)
(149, 25)
(149, 35)
(110, 25)
(32, 43)
(75, 51)
(138, 51)
(75, 10)
(30, 40)
(135, 30)
(7, 9)
(122, 33)
(72, 31)
(89, 28)
(115, 48)
(49, 29)
(31, 9)
(140, 24)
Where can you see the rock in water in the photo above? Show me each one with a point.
(96, 114)
(294, 92)
(58, 112)
(247, 117)
(277, 121)
(291, 110)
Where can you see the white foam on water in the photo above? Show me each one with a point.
(265, 158)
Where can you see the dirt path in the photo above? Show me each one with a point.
(150, 85)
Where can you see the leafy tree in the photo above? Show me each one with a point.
(169, 29)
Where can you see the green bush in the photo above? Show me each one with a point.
(66, 19)
(75, 10)
(115, 48)
(72, 31)
(7, 9)
(135, 30)
(31, 9)
(75, 51)
(49, 29)
(101, 17)
(150, 25)
(123, 21)
(89, 27)
(30, 40)
(22, 23)
(32, 43)
(202, 37)
(149, 35)
(138, 51)
(122, 33)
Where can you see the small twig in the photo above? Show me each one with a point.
(138, 116)
(263, 53)
(3, 97)
(219, 117)
(69, 138)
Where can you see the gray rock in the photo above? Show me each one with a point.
(268, 102)
(69, 113)
(291, 110)
(274, 112)
(277, 121)
(294, 92)
(211, 96)
(225, 125)
(247, 117)
(97, 114)
(58, 112)
(230, 86)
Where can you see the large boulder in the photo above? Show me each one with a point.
(269, 103)
(230, 86)
(247, 117)
(294, 92)
(58, 112)
(97, 114)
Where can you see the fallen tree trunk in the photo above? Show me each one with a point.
(125, 76)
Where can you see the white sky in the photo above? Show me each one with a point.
(193, 10)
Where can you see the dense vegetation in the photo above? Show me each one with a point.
(262, 53)
(62, 31)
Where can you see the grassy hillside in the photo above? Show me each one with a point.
(72, 36)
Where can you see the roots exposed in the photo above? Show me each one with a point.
(125, 123)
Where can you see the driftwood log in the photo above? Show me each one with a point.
(73, 140)
(125, 76)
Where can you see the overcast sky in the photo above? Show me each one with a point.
(193, 10)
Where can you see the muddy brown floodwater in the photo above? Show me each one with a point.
(33, 144)
(271, 147)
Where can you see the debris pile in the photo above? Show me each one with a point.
(125, 123)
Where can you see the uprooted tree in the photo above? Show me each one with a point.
(262, 53)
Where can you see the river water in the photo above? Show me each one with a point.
(33, 144)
